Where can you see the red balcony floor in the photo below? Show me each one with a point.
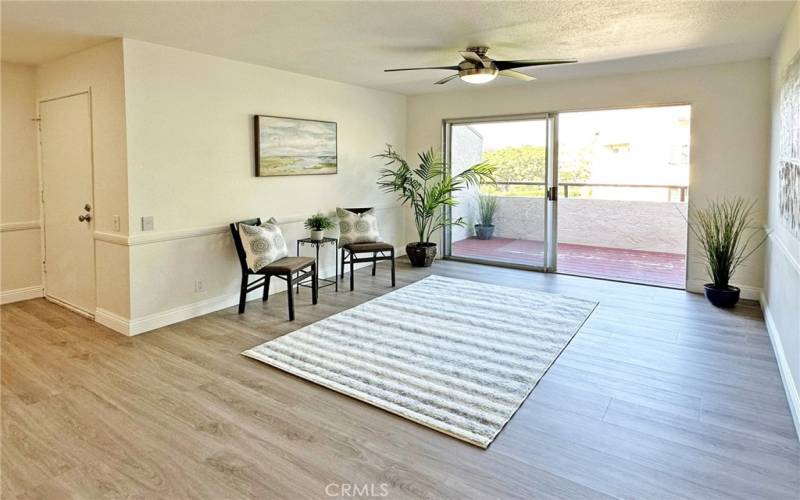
(636, 266)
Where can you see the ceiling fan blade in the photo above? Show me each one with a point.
(446, 79)
(473, 58)
(516, 74)
(501, 65)
(429, 67)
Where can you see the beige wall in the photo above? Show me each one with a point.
(191, 167)
(781, 299)
(649, 226)
(20, 239)
(101, 70)
(730, 112)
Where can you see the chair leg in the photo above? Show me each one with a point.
(243, 294)
(342, 259)
(392, 255)
(374, 262)
(290, 295)
(352, 276)
(265, 297)
(314, 284)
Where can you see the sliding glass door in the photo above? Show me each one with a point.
(611, 184)
(510, 222)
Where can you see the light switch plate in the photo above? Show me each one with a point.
(147, 223)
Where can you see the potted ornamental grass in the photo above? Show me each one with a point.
(487, 207)
(317, 224)
(428, 189)
(728, 236)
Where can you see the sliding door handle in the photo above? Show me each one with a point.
(552, 193)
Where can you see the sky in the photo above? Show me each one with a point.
(576, 127)
(289, 137)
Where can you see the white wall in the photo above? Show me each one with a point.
(730, 112)
(467, 150)
(191, 167)
(781, 300)
(99, 69)
(20, 221)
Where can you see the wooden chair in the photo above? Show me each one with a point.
(350, 253)
(284, 269)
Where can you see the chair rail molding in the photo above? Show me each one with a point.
(20, 226)
(147, 238)
(775, 240)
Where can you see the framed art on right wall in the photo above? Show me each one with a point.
(789, 152)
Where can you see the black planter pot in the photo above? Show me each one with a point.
(722, 297)
(484, 232)
(421, 254)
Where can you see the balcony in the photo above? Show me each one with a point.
(636, 240)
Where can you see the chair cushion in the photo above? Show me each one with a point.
(357, 228)
(287, 265)
(262, 244)
(378, 246)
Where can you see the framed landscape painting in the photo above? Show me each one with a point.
(292, 146)
(789, 148)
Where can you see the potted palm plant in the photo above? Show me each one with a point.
(727, 235)
(487, 207)
(318, 223)
(428, 189)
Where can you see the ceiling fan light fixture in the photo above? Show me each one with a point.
(478, 76)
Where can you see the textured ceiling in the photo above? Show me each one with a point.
(354, 41)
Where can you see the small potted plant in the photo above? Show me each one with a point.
(727, 235)
(318, 223)
(487, 207)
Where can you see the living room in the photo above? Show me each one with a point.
(152, 151)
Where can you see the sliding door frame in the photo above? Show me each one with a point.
(550, 231)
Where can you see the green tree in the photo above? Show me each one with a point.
(528, 164)
(523, 163)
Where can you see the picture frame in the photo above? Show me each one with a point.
(287, 146)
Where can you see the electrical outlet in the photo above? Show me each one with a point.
(199, 286)
(115, 221)
(147, 223)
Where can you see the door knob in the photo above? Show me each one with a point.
(87, 207)
(82, 218)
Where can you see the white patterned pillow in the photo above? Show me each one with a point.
(262, 244)
(357, 228)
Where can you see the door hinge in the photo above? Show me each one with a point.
(44, 266)
(38, 121)
(552, 193)
(42, 193)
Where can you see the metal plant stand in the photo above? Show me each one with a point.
(322, 282)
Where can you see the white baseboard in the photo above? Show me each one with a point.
(748, 292)
(792, 395)
(113, 321)
(154, 321)
(182, 313)
(19, 294)
(160, 319)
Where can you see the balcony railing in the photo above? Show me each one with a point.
(564, 186)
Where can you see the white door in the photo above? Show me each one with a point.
(66, 149)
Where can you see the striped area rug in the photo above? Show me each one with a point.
(457, 356)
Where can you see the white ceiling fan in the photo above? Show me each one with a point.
(478, 68)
